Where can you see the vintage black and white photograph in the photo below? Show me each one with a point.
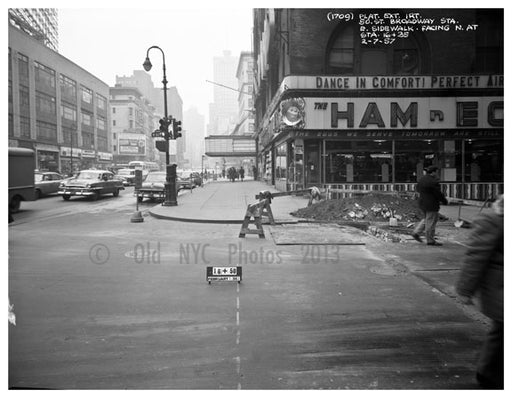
(229, 197)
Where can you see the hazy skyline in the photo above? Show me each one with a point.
(110, 42)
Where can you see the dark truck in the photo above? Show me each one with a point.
(21, 177)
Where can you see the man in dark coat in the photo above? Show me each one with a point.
(430, 197)
(482, 272)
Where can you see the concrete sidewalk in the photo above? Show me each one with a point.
(226, 202)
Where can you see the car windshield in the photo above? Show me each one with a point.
(88, 175)
(155, 177)
(184, 174)
(126, 172)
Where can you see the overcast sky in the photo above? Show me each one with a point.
(110, 42)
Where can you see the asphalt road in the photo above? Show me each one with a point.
(103, 303)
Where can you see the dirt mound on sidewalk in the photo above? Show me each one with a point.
(368, 207)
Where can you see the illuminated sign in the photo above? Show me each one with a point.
(403, 113)
(392, 82)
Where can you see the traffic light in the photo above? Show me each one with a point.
(176, 128)
(164, 126)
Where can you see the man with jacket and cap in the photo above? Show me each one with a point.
(430, 197)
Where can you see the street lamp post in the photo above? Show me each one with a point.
(170, 170)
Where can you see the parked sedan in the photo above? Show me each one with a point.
(186, 179)
(153, 187)
(46, 183)
(92, 184)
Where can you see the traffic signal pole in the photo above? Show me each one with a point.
(170, 178)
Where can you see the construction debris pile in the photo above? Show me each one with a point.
(367, 207)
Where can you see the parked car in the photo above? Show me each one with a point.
(127, 176)
(46, 183)
(186, 180)
(153, 186)
(91, 183)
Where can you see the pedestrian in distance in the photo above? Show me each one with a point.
(241, 172)
(482, 273)
(430, 197)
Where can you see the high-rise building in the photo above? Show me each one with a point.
(40, 23)
(245, 76)
(224, 109)
(56, 108)
(194, 123)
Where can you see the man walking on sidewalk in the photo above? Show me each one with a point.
(482, 272)
(430, 196)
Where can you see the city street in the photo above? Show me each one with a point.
(103, 303)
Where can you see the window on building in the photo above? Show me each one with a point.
(23, 68)
(102, 144)
(86, 118)
(46, 131)
(86, 95)
(68, 135)
(114, 110)
(113, 123)
(68, 112)
(131, 124)
(24, 100)
(100, 123)
(44, 75)
(101, 102)
(347, 55)
(67, 87)
(87, 140)
(130, 111)
(24, 127)
(45, 104)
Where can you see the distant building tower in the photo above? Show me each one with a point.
(224, 109)
(40, 23)
(245, 76)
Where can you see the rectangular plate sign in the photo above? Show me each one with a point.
(230, 274)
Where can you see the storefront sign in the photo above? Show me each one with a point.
(403, 113)
(392, 82)
(104, 156)
(88, 153)
(132, 144)
(66, 151)
(397, 134)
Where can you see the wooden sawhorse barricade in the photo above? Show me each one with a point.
(253, 216)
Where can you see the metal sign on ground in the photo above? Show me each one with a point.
(228, 274)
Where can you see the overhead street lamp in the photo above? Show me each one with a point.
(170, 170)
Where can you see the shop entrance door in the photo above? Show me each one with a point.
(312, 163)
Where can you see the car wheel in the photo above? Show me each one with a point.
(140, 199)
(14, 205)
(95, 196)
(115, 193)
(66, 197)
(38, 194)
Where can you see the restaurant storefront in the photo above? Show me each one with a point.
(361, 133)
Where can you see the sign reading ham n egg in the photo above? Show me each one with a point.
(292, 112)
